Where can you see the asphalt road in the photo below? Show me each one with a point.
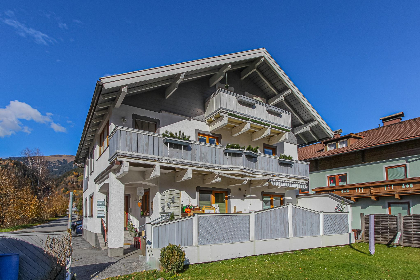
(58, 226)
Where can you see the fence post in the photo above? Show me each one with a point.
(362, 226)
(401, 228)
(321, 223)
(252, 226)
(195, 230)
(290, 218)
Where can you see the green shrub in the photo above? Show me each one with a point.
(234, 146)
(285, 157)
(172, 258)
(252, 149)
(180, 136)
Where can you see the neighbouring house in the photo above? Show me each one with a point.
(378, 169)
(218, 135)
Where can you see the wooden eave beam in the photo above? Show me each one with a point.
(120, 96)
(97, 119)
(110, 95)
(100, 112)
(303, 138)
(174, 86)
(104, 105)
(397, 196)
(242, 128)
(219, 75)
(211, 178)
(303, 128)
(280, 97)
(251, 68)
(183, 175)
(273, 89)
(262, 133)
(237, 182)
(374, 197)
(259, 183)
(152, 173)
(276, 138)
(293, 111)
(219, 123)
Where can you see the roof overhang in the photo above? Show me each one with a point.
(257, 65)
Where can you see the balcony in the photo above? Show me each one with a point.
(133, 143)
(226, 109)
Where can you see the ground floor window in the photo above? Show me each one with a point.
(337, 180)
(395, 208)
(145, 203)
(212, 198)
(272, 200)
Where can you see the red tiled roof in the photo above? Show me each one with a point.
(405, 130)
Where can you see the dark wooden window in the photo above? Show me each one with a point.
(209, 139)
(91, 206)
(396, 172)
(103, 139)
(145, 125)
(272, 200)
(145, 203)
(403, 207)
(337, 180)
(270, 150)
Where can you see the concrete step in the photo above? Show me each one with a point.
(128, 239)
(101, 240)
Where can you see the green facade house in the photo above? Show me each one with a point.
(378, 169)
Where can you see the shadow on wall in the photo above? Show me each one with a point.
(34, 262)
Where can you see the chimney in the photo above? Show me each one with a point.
(337, 133)
(391, 119)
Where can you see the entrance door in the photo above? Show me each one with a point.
(221, 199)
(126, 206)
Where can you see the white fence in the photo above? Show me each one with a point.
(291, 226)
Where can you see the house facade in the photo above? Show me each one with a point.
(218, 134)
(378, 169)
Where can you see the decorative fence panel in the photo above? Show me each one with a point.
(305, 222)
(336, 223)
(272, 223)
(178, 232)
(215, 229)
(386, 228)
(411, 230)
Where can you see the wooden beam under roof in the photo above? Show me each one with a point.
(174, 86)
(303, 138)
(304, 128)
(105, 105)
(219, 75)
(267, 82)
(276, 138)
(211, 178)
(251, 68)
(293, 111)
(183, 175)
(152, 172)
(242, 128)
(280, 97)
(101, 112)
(120, 97)
(262, 133)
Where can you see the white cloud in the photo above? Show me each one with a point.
(24, 31)
(62, 25)
(14, 112)
(57, 127)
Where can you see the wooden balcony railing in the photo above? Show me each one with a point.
(224, 101)
(143, 145)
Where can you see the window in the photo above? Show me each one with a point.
(145, 202)
(91, 206)
(270, 150)
(145, 125)
(209, 139)
(91, 160)
(396, 172)
(103, 139)
(331, 146)
(220, 198)
(337, 180)
(395, 208)
(272, 200)
(342, 143)
(86, 207)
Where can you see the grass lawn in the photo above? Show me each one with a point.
(347, 262)
(27, 225)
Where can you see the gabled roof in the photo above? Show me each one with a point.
(256, 65)
(384, 135)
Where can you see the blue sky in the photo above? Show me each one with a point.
(355, 61)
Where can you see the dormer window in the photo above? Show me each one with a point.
(331, 146)
(342, 143)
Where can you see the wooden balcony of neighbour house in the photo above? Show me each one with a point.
(395, 188)
(226, 109)
(151, 147)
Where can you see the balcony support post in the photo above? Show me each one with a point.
(242, 128)
(262, 133)
(277, 138)
(219, 123)
(183, 175)
(251, 68)
(212, 178)
(120, 97)
(152, 173)
(174, 86)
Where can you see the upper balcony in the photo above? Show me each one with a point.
(151, 147)
(226, 109)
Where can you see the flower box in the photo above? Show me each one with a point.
(286, 161)
(250, 154)
(176, 141)
(247, 100)
(234, 151)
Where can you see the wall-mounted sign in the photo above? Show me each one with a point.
(100, 208)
